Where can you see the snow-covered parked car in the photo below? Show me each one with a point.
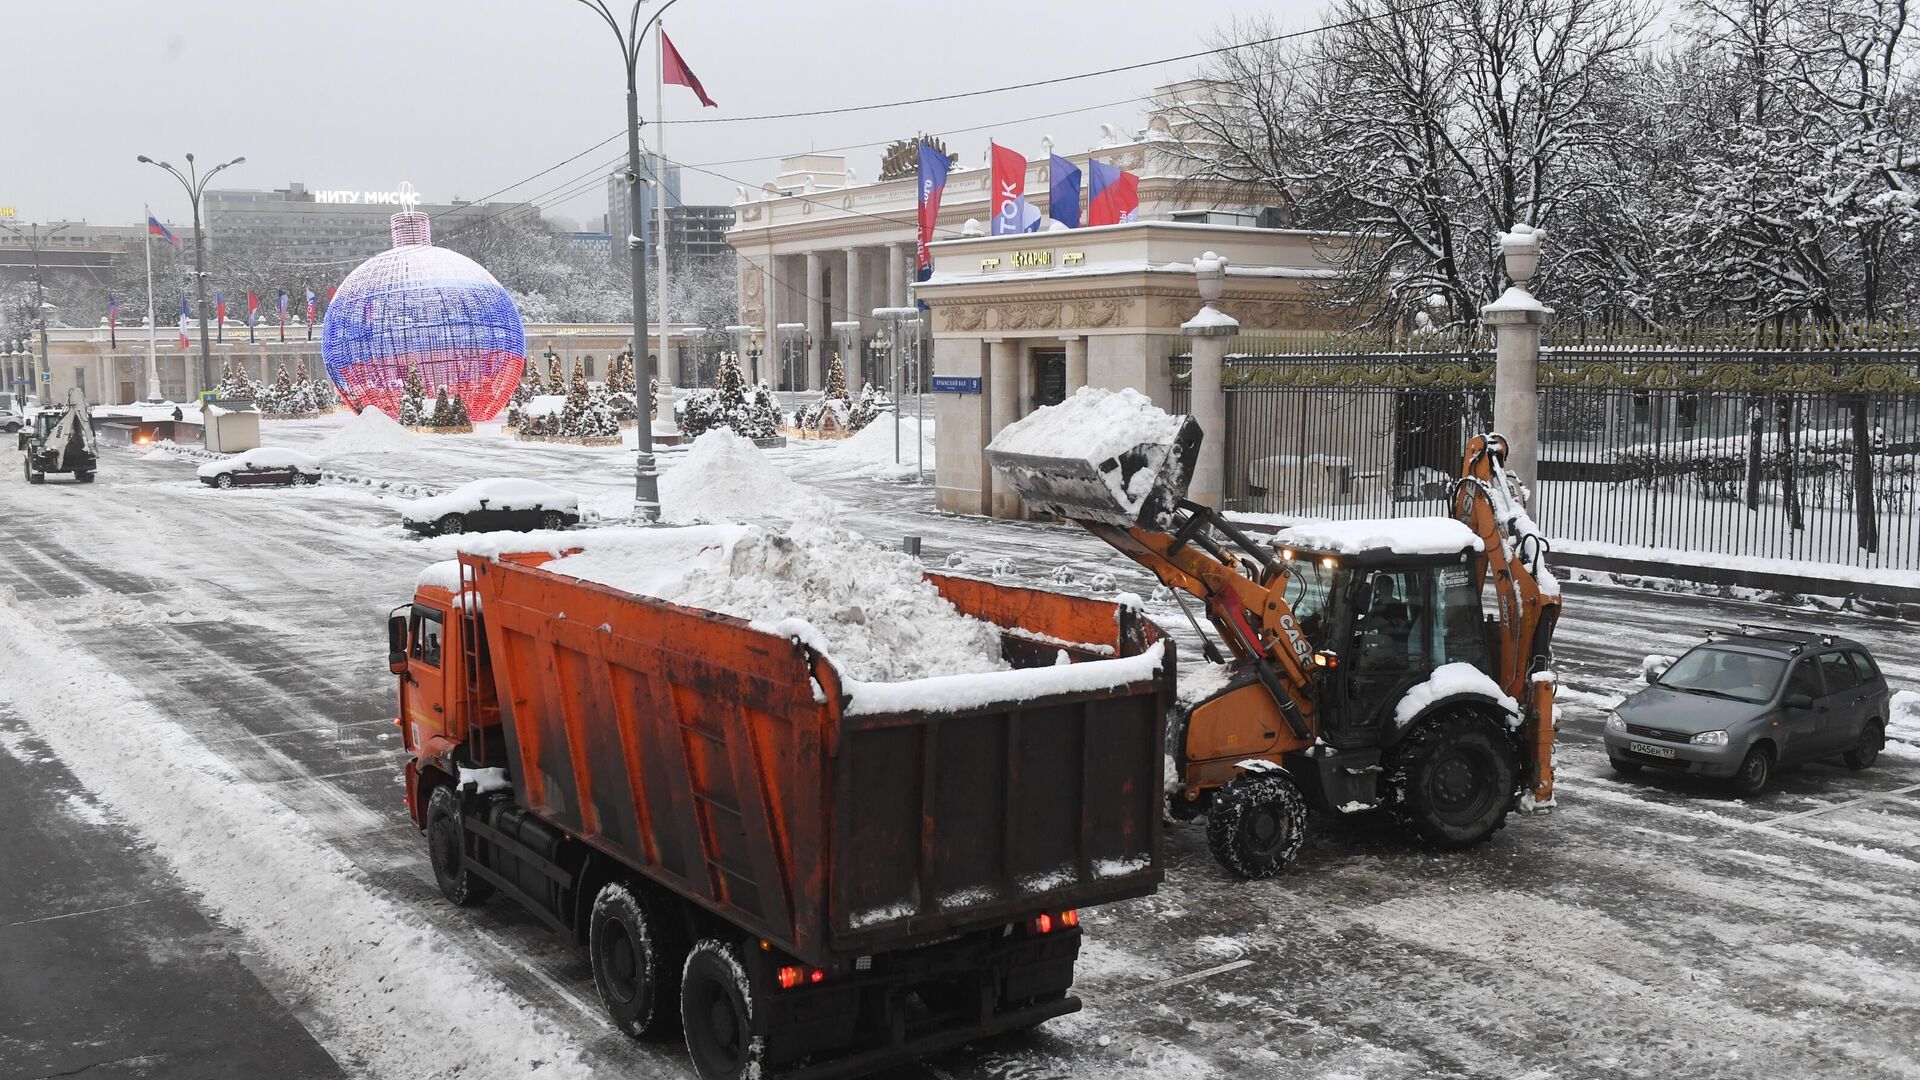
(264, 465)
(492, 505)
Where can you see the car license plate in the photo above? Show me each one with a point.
(1650, 750)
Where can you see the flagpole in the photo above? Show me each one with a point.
(153, 362)
(660, 187)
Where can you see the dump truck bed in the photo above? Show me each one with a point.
(734, 766)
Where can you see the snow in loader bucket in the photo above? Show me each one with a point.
(1110, 457)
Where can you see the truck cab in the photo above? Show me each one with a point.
(449, 713)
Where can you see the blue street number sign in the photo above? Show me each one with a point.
(956, 384)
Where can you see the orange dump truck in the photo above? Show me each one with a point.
(802, 873)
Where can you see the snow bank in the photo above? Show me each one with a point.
(1446, 681)
(875, 614)
(1403, 536)
(1904, 723)
(370, 432)
(724, 477)
(492, 493)
(869, 451)
(264, 457)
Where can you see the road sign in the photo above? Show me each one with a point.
(956, 384)
(46, 376)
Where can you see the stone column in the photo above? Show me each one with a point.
(1003, 397)
(856, 312)
(1209, 333)
(1516, 320)
(899, 260)
(769, 335)
(1076, 362)
(815, 300)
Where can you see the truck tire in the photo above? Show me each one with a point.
(1453, 779)
(447, 847)
(451, 525)
(1257, 823)
(636, 966)
(716, 1011)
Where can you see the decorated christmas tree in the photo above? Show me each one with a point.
(830, 412)
(865, 410)
(726, 404)
(766, 418)
(442, 409)
(556, 383)
(461, 418)
(413, 400)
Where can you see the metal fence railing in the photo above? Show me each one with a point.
(1808, 453)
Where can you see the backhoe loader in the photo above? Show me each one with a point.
(61, 442)
(1368, 667)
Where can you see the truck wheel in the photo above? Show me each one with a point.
(224, 480)
(1257, 823)
(1867, 750)
(635, 966)
(1454, 777)
(447, 846)
(716, 1009)
(451, 525)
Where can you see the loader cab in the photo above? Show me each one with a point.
(1381, 622)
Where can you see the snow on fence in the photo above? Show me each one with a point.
(1798, 453)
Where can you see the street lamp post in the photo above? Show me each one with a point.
(646, 478)
(196, 186)
(33, 239)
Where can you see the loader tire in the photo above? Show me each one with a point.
(636, 955)
(1257, 823)
(447, 847)
(1453, 778)
(717, 1012)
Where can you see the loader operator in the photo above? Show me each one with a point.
(1385, 627)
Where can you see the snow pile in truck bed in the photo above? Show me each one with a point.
(873, 612)
(370, 432)
(724, 477)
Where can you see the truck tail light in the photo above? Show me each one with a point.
(1070, 917)
(816, 976)
(789, 977)
(1041, 923)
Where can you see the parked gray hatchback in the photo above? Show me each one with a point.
(1742, 705)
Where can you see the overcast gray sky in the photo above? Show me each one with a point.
(462, 97)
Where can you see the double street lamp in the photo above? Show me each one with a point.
(196, 185)
(646, 479)
(33, 239)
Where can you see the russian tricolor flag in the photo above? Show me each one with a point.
(184, 316)
(1113, 194)
(933, 183)
(154, 228)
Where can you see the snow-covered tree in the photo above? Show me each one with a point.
(461, 418)
(413, 399)
(442, 415)
(865, 410)
(832, 411)
(556, 382)
(729, 404)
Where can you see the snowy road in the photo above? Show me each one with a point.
(206, 666)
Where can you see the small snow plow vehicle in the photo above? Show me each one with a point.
(61, 442)
(1363, 671)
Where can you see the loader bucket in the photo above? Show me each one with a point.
(1138, 485)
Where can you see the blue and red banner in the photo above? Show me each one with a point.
(313, 314)
(283, 314)
(154, 228)
(253, 307)
(113, 322)
(1113, 196)
(184, 316)
(1063, 191)
(219, 315)
(933, 183)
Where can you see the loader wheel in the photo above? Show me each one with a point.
(451, 525)
(446, 845)
(34, 477)
(1257, 823)
(716, 1009)
(636, 966)
(1454, 777)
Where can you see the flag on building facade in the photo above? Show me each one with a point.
(674, 71)
(219, 315)
(154, 228)
(932, 172)
(1012, 213)
(1063, 191)
(253, 309)
(1113, 194)
(113, 322)
(283, 314)
(184, 316)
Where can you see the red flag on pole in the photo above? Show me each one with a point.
(675, 71)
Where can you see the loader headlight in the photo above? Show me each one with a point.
(1710, 738)
(1614, 723)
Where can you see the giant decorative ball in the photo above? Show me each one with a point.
(432, 309)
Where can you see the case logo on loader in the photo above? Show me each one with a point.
(1301, 650)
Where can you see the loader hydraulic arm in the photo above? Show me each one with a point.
(1244, 594)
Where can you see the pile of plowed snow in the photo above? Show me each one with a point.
(870, 450)
(370, 432)
(878, 617)
(724, 477)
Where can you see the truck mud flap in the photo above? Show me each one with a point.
(870, 1060)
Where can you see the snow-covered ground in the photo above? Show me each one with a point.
(209, 667)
